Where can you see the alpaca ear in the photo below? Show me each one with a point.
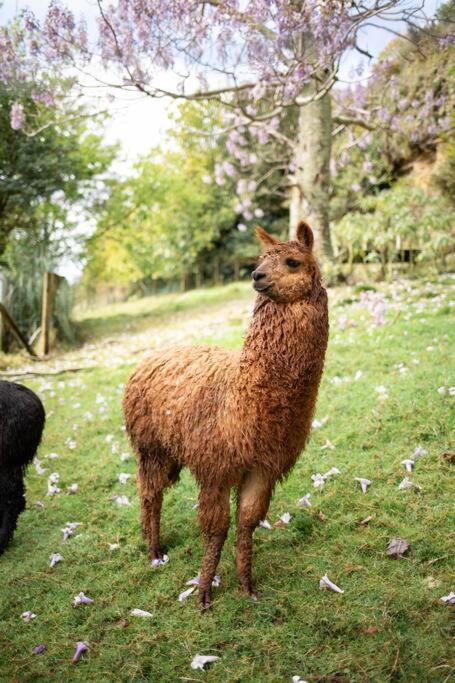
(265, 239)
(305, 235)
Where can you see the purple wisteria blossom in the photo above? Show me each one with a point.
(17, 116)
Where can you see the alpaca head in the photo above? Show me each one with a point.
(287, 271)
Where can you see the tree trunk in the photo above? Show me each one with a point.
(217, 271)
(310, 194)
(199, 276)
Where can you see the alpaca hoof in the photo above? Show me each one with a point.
(156, 554)
(250, 590)
(204, 600)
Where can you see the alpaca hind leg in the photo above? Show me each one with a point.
(254, 495)
(214, 520)
(12, 503)
(154, 477)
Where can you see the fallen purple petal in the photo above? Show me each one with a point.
(200, 661)
(54, 558)
(265, 524)
(286, 518)
(305, 501)
(419, 452)
(121, 500)
(159, 561)
(326, 583)
(69, 529)
(364, 483)
(38, 649)
(140, 613)
(448, 599)
(409, 464)
(81, 647)
(406, 484)
(328, 444)
(332, 471)
(28, 616)
(318, 480)
(82, 599)
(38, 468)
(186, 594)
(52, 489)
(196, 580)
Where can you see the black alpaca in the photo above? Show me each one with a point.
(22, 419)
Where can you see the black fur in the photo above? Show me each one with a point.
(22, 420)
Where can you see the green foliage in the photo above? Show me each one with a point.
(47, 180)
(393, 220)
(28, 257)
(377, 212)
(164, 220)
(54, 164)
(171, 220)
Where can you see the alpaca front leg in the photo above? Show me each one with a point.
(254, 495)
(214, 520)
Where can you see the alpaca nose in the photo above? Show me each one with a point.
(258, 275)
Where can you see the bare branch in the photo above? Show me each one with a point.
(352, 121)
(36, 131)
(339, 129)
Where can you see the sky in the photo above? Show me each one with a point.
(139, 123)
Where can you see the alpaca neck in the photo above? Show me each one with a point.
(284, 348)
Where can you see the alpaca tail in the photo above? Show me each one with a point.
(12, 503)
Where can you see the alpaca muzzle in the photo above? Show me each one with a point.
(259, 281)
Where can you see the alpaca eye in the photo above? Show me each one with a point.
(291, 263)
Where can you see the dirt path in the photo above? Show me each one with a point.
(121, 349)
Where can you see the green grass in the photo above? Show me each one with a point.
(138, 314)
(387, 626)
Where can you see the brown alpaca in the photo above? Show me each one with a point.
(235, 418)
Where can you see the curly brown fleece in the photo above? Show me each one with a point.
(236, 419)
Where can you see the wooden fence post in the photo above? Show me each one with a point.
(51, 282)
(15, 330)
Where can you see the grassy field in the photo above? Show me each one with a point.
(380, 397)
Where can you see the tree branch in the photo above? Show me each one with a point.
(352, 121)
